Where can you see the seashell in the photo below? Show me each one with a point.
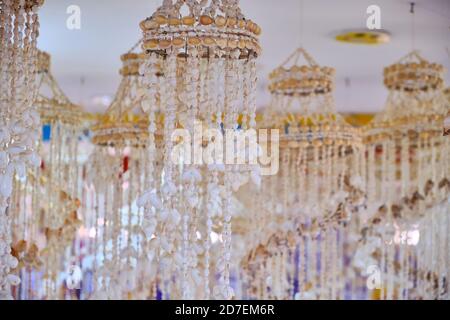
(175, 216)
(194, 41)
(151, 44)
(233, 44)
(178, 42)
(20, 169)
(3, 159)
(143, 199)
(155, 201)
(209, 42)
(5, 185)
(249, 44)
(175, 21)
(206, 20)
(164, 214)
(221, 21)
(222, 43)
(241, 44)
(150, 25)
(189, 21)
(249, 25)
(231, 22)
(241, 24)
(4, 135)
(169, 188)
(258, 30)
(13, 279)
(164, 44)
(256, 178)
(13, 262)
(161, 20)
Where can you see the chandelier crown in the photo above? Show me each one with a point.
(209, 25)
(131, 63)
(416, 97)
(52, 102)
(414, 73)
(43, 62)
(302, 96)
(301, 80)
(122, 123)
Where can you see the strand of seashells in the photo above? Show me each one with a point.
(124, 159)
(200, 68)
(19, 122)
(407, 173)
(44, 206)
(307, 213)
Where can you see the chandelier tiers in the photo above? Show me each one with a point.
(55, 106)
(122, 123)
(215, 27)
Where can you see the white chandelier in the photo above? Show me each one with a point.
(202, 68)
(19, 122)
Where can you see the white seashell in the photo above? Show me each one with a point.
(164, 214)
(143, 199)
(5, 185)
(169, 188)
(155, 201)
(176, 217)
(193, 201)
(165, 245)
(21, 169)
(13, 279)
(16, 149)
(34, 159)
(196, 277)
(256, 178)
(3, 159)
(12, 262)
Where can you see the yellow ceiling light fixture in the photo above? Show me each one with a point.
(364, 36)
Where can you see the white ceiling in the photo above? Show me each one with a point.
(110, 28)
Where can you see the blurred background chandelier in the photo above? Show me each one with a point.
(45, 205)
(408, 183)
(201, 65)
(304, 212)
(118, 172)
(19, 122)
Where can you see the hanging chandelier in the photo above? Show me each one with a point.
(201, 68)
(408, 183)
(119, 171)
(50, 224)
(19, 122)
(305, 211)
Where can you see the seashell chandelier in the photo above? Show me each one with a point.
(45, 205)
(308, 206)
(408, 185)
(182, 191)
(118, 173)
(19, 121)
(202, 68)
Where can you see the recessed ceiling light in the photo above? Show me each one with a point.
(363, 36)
